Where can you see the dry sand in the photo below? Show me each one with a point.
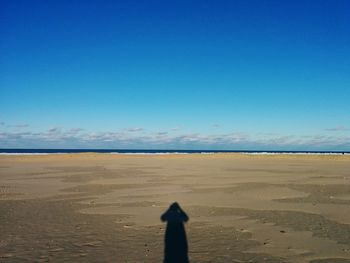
(242, 208)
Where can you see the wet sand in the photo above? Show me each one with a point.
(242, 208)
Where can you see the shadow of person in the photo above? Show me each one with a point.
(175, 242)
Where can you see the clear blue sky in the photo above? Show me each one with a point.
(175, 74)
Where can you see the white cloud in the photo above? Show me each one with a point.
(338, 128)
(77, 137)
(54, 130)
(76, 130)
(136, 129)
(162, 133)
(177, 128)
(18, 126)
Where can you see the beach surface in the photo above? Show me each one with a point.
(242, 207)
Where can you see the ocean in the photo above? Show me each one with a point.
(153, 151)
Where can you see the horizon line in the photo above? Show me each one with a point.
(172, 150)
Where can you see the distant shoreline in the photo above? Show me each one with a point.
(160, 152)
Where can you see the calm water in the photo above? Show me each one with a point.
(146, 151)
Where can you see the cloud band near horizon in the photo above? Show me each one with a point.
(139, 138)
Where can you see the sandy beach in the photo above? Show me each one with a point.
(241, 208)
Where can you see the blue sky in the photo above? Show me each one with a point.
(271, 75)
